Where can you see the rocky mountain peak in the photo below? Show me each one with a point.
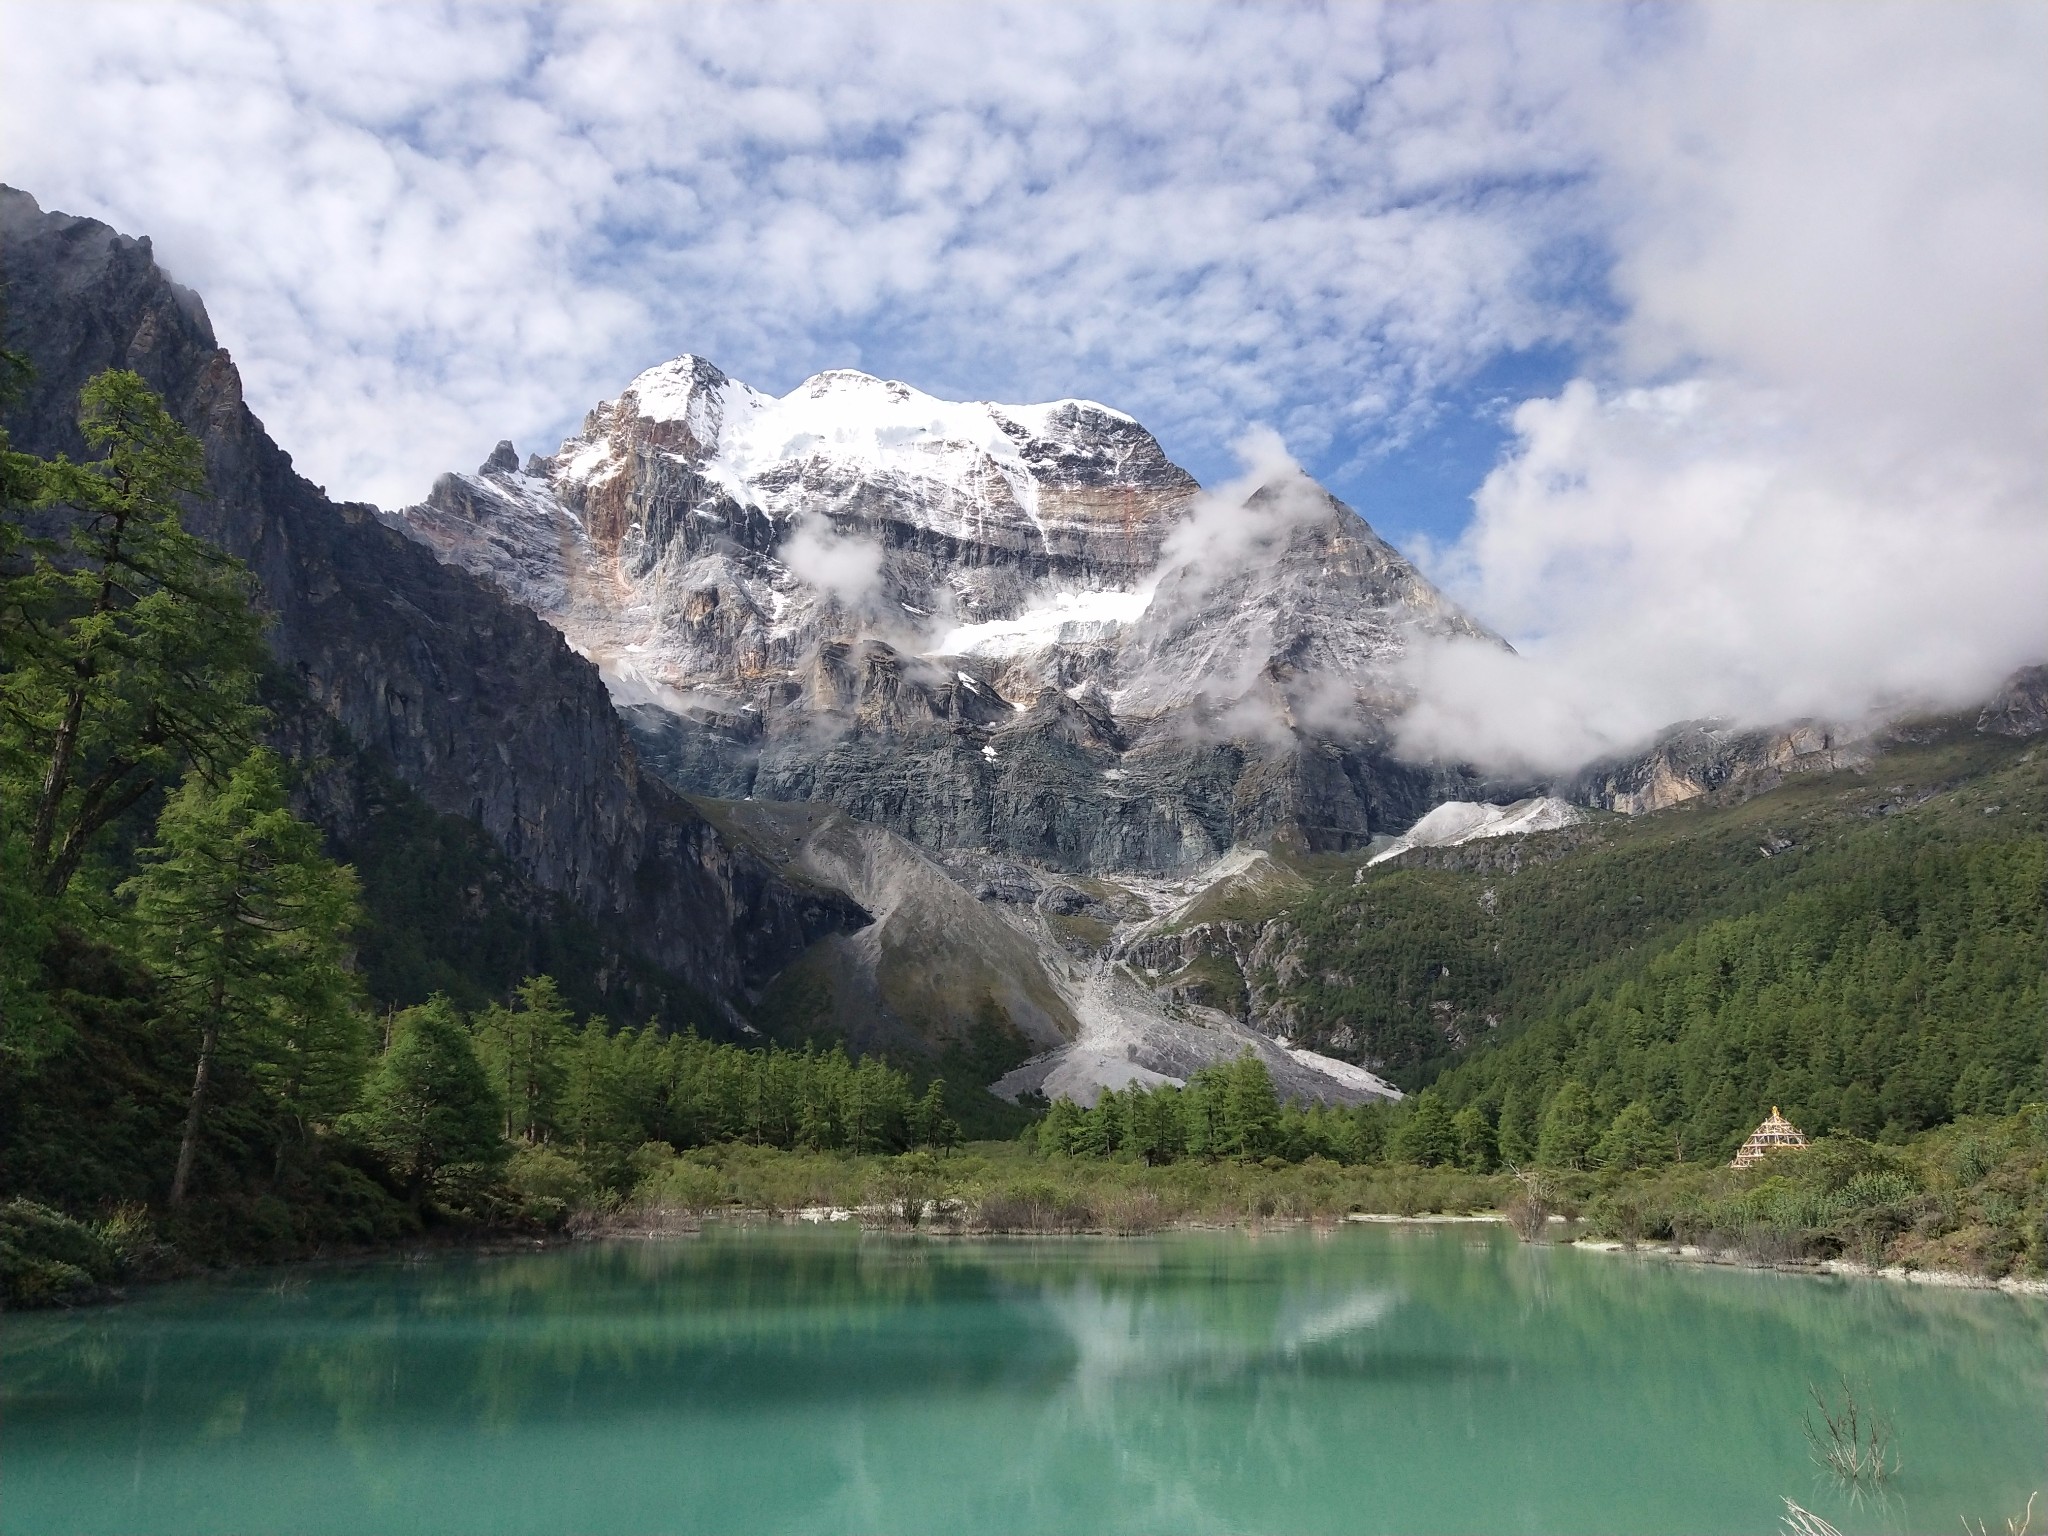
(805, 595)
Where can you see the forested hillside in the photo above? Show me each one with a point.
(220, 1041)
(1934, 847)
(1863, 951)
(1897, 987)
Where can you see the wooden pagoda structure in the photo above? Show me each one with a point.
(1775, 1132)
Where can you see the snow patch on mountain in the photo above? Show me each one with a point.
(1465, 821)
(1070, 618)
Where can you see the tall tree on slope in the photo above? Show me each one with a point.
(131, 646)
(243, 919)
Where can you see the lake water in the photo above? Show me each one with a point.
(775, 1379)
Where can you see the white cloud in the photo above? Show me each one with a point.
(1799, 252)
(1224, 527)
(421, 229)
(1812, 481)
(846, 565)
(1688, 551)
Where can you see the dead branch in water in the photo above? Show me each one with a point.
(1851, 1442)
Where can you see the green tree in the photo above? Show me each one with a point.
(1154, 1123)
(1251, 1109)
(29, 1026)
(428, 1106)
(931, 1126)
(1633, 1140)
(1518, 1126)
(1368, 1126)
(244, 921)
(1568, 1129)
(524, 1049)
(1061, 1126)
(132, 648)
(1428, 1136)
(596, 1112)
(1857, 1112)
(1474, 1132)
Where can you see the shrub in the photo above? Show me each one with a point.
(48, 1259)
(683, 1183)
(548, 1186)
(1033, 1207)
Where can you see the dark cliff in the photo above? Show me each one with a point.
(466, 697)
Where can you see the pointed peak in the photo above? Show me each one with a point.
(687, 369)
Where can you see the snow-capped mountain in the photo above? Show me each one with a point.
(1009, 628)
(698, 535)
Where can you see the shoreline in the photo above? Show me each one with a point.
(872, 1220)
(1946, 1279)
(655, 1225)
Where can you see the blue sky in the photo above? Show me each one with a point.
(1701, 349)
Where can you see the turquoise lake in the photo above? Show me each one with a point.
(782, 1379)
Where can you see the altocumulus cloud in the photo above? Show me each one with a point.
(1797, 257)
(423, 227)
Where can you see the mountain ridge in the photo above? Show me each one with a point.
(464, 697)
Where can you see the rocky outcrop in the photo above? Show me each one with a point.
(933, 966)
(2020, 707)
(1692, 759)
(467, 697)
(1700, 756)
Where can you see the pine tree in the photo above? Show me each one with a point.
(1568, 1129)
(1518, 1127)
(931, 1125)
(1428, 1136)
(1062, 1123)
(244, 919)
(132, 648)
(1633, 1140)
(595, 1114)
(524, 1049)
(1474, 1133)
(1251, 1109)
(429, 1106)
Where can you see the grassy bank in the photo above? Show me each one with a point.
(1970, 1198)
(1004, 1187)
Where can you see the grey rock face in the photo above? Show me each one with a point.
(1690, 759)
(2020, 707)
(934, 959)
(468, 698)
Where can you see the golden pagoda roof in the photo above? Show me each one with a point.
(1775, 1131)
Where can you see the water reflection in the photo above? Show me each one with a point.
(769, 1379)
